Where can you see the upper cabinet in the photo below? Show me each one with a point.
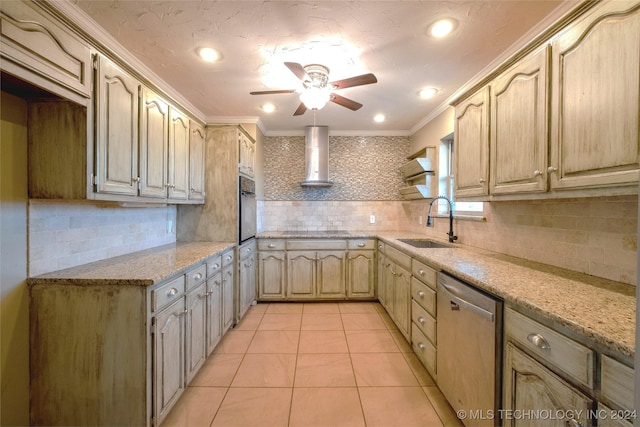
(562, 120)
(247, 147)
(154, 144)
(196, 157)
(178, 155)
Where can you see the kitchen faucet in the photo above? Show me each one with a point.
(452, 237)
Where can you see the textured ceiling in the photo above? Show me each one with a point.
(387, 38)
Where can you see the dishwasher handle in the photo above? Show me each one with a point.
(457, 301)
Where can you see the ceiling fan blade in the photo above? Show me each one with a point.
(301, 110)
(298, 70)
(345, 102)
(364, 79)
(272, 92)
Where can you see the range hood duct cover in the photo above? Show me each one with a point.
(316, 157)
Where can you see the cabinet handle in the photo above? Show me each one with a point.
(271, 245)
(421, 346)
(551, 169)
(361, 245)
(421, 320)
(198, 276)
(421, 294)
(172, 292)
(537, 173)
(539, 341)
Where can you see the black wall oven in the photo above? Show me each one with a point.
(248, 216)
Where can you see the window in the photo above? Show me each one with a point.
(445, 182)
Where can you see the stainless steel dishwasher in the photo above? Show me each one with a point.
(469, 357)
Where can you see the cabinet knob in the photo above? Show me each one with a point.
(551, 169)
(482, 180)
(539, 341)
(198, 276)
(537, 173)
(216, 265)
(421, 320)
(421, 271)
(172, 292)
(421, 294)
(271, 245)
(361, 245)
(421, 346)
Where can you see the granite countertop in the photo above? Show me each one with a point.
(600, 310)
(143, 268)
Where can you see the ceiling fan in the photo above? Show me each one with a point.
(318, 90)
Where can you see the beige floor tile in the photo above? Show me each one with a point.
(357, 307)
(274, 342)
(254, 407)
(443, 408)
(197, 407)
(285, 307)
(322, 342)
(321, 307)
(280, 322)
(321, 322)
(423, 377)
(218, 370)
(235, 342)
(397, 406)
(401, 341)
(369, 370)
(249, 322)
(266, 370)
(326, 407)
(361, 321)
(375, 341)
(324, 370)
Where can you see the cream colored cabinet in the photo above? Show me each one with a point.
(178, 155)
(116, 109)
(316, 269)
(301, 274)
(397, 283)
(214, 303)
(519, 126)
(596, 99)
(154, 144)
(196, 321)
(471, 142)
(247, 277)
(247, 155)
(196, 161)
(361, 268)
(331, 274)
(228, 290)
(383, 264)
(272, 272)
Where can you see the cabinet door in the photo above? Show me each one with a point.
(247, 284)
(116, 104)
(272, 279)
(388, 286)
(331, 274)
(519, 127)
(178, 155)
(402, 300)
(196, 327)
(380, 291)
(196, 162)
(361, 274)
(168, 358)
(247, 155)
(301, 272)
(214, 311)
(154, 144)
(227, 297)
(529, 386)
(471, 146)
(596, 99)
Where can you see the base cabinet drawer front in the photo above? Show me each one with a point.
(530, 387)
(616, 382)
(423, 321)
(315, 245)
(196, 275)
(398, 257)
(569, 356)
(369, 244)
(272, 275)
(426, 274)
(423, 348)
(424, 296)
(271, 244)
(214, 266)
(331, 273)
(167, 293)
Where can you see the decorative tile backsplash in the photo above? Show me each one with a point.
(361, 168)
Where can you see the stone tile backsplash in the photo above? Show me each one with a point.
(65, 234)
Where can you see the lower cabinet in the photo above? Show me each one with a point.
(247, 277)
(228, 290)
(196, 329)
(361, 269)
(395, 282)
(214, 303)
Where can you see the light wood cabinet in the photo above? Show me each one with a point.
(424, 314)
(471, 142)
(178, 155)
(228, 290)
(247, 155)
(519, 126)
(361, 268)
(301, 274)
(401, 289)
(596, 99)
(214, 310)
(247, 277)
(154, 145)
(272, 276)
(196, 329)
(196, 161)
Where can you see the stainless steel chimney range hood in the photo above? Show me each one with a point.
(316, 157)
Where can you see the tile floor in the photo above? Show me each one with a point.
(313, 364)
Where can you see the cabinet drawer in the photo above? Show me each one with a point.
(214, 265)
(424, 321)
(398, 256)
(316, 245)
(573, 358)
(425, 273)
(167, 293)
(425, 351)
(227, 258)
(423, 295)
(617, 382)
(246, 250)
(361, 243)
(196, 276)
(271, 244)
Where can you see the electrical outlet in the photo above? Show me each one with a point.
(420, 220)
(372, 219)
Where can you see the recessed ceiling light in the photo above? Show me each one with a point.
(442, 28)
(379, 118)
(268, 108)
(208, 54)
(427, 92)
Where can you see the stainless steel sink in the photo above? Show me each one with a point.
(426, 243)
